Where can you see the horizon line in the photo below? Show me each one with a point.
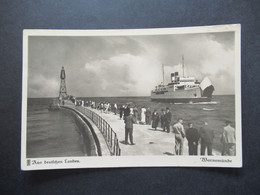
(112, 96)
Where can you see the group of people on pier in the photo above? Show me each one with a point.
(205, 135)
(145, 116)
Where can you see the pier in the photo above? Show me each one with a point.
(110, 132)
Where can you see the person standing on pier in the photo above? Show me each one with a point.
(106, 107)
(93, 105)
(126, 111)
(148, 115)
(129, 121)
(143, 110)
(178, 129)
(156, 119)
(192, 136)
(207, 136)
(122, 108)
(135, 110)
(132, 110)
(101, 107)
(163, 120)
(168, 119)
(115, 108)
(229, 140)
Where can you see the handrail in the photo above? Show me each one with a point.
(106, 130)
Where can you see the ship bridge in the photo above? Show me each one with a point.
(187, 80)
(186, 83)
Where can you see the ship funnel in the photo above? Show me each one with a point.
(174, 76)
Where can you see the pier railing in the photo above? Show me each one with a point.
(106, 130)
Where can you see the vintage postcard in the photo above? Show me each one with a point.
(167, 97)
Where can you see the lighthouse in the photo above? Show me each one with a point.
(63, 91)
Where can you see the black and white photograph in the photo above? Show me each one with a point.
(132, 98)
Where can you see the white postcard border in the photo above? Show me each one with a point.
(134, 161)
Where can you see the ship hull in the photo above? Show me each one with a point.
(193, 95)
(182, 100)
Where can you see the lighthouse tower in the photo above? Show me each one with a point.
(63, 90)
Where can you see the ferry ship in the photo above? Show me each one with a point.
(183, 89)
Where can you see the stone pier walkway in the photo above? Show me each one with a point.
(147, 140)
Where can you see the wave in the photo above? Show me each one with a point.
(199, 103)
(208, 109)
(206, 103)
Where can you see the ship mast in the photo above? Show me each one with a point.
(163, 73)
(182, 65)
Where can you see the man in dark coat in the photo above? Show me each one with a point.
(207, 136)
(156, 119)
(126, 111)
(192, 136)
(163, 120)
(168, 119)
(129, 121)
(122, 107)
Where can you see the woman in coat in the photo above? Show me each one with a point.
(143, 110)
(156, 119)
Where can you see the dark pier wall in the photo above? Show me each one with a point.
(91, 140)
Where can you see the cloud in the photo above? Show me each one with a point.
(204, 55)
(41, 86)
(122, 75)
(127, 66)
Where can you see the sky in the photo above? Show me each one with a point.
(113, 66)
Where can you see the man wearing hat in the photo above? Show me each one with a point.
(163, 119)
(206, 136)
(178, 129)
(129, 121)
(168, 119)
(229, 140)
(192, 136)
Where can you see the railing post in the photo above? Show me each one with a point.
(107, 132)
(114, 151)
(101, 124)
(117, 148)
(111, 136)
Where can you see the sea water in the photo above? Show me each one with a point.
(52, 133)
